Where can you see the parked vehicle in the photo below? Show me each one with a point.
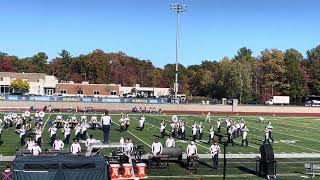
(278, 100)
(312, 101)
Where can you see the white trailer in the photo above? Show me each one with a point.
(278, 100)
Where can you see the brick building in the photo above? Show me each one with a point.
(85, 89)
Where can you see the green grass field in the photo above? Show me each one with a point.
(291, 134)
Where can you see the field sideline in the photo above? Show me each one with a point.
(291, 134)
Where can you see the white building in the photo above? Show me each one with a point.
(143, 91)
(40, 84)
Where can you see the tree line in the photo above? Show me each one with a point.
(244, 76)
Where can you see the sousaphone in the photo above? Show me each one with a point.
(27, 113)
(42, 114)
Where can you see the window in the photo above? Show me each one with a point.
(4, 89)
(80, 92)
(50, 91)
(63, 91)
(96, 92)
(113, 93)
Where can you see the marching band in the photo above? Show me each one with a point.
(80, 125)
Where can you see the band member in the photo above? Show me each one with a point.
(38, 134)
(90, 140)
(53, 134)
(36, 150)
(174, 118)
(83, 118)
(215, 150)
(22, 134)
(170, 142)
(58, 144)
(242, 124)
(6, 121)
(127, 122)
(173, 129)
(141, 122)
(211, 135)
(230, 135)
(106, 121)
(183, 133)
(128, 150)
(59, 120)
(237, 126)
(194, 131)
(191, 151)
(83, 131)
(41, 115)
(270, 131)
(30, 144)
(244, 131)
(266, 135)
(36, 116)
(208, 118)
(94, 121)
(228, 122)
(75, 147)
(156, 148)
(219, 125)
(19, 123)
(66, 133)
(162, 129)
(200, 128)
(73, 120)
(122, 123)
(77, 131)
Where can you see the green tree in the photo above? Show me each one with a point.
(19, 86)
(313, 65)
(247, 67)
(273, 73)
(39, 62)
(294, 74)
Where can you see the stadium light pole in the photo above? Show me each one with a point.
(109, 76)
(178, 8)
(241, 81)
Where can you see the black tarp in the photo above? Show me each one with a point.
(59, 167)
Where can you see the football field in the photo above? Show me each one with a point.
(292, 135)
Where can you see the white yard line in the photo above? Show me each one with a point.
(225, 137)
(279, 132)
(286, 144)
(45, 123)
(134, 136)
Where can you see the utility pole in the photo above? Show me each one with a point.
(178, 8)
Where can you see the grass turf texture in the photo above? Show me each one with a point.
(292, 135)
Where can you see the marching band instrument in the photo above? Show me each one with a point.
(14, 115)
(27, 113)
(42, 114)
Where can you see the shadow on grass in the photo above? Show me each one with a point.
(247, 170)
(205, 164)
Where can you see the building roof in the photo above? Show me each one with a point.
(32, 77)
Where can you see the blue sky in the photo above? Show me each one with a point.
(210, 29)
